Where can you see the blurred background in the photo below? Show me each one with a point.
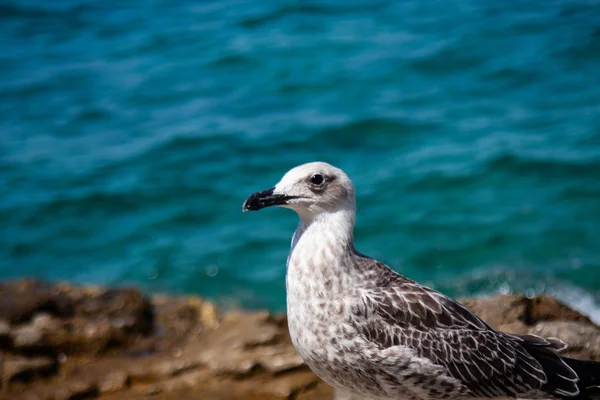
(130, 136)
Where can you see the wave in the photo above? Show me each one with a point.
(551, 168)
(310, 9)
(13, 9)
(512, 165)
(233, 60)
(371, 132)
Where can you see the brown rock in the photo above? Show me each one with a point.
(25, 369)
(546, 308)
(543, 316)
(2, 376)
(583, 339)
(73, 335)
(245, 343)
(4, 328)
(44, 322)
(178, 318)
(181, 382)
(75, 389)
(21, 300)
(518, 313)
(83, 336)
(320, 392)
(118, 344)
(167, 367)
(27, 336)
(500, 310)
(113, 382)
(286, 387)
(127, 309)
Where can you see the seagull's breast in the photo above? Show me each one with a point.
(319, 303)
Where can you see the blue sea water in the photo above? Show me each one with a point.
(131, 134)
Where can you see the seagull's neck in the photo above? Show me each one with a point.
(324, 235)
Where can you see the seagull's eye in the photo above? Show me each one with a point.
(317, 179)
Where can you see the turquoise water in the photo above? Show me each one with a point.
(131, 136)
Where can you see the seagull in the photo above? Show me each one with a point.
(372, 333)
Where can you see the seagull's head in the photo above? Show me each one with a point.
(309, 189)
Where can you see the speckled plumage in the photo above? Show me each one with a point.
(373, 333)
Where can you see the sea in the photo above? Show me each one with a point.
(132, 132)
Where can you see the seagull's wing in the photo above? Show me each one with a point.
(488, 363)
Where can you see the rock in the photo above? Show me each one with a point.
(546, 308)
(117, 344)
(44, 322)
(127, 308)
(83, 336)
(246, 342)
(290, 387)
(113, 382)
(27, 336)
(25, 369)
(21, 300)
(499, 310)
(517, 314)
(96, 322)
(181, 382)
(583, 339)
(2, 376)
(5, 334)
(167, 367)
(76, 390)
(4, 328)
(177, 318)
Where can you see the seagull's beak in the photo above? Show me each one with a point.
(266, 198)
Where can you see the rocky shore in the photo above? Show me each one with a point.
(59, 341)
